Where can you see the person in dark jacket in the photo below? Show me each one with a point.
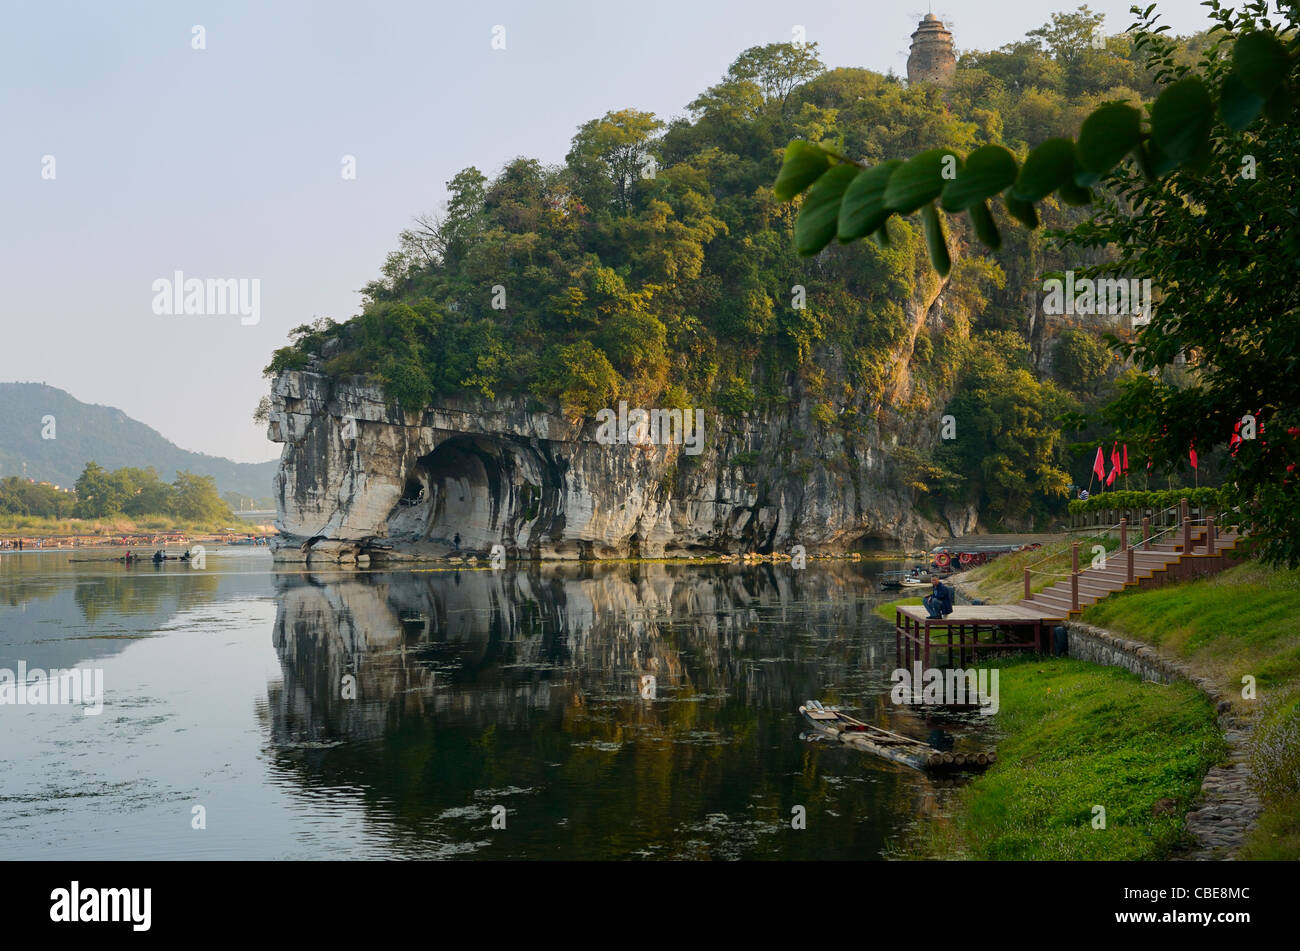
(938, 603)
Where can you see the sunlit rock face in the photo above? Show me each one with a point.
(360, 476)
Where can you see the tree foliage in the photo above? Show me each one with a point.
(135, 492)
(1198, 197)
(1008, 446)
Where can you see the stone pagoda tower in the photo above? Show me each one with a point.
(932, 59)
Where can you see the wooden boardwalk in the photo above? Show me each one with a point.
(1189, 551)
(1194, 551)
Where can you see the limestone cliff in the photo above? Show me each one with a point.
(361, 476)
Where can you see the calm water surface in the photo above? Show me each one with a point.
(529, 690)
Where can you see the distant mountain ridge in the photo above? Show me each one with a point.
(85, 431)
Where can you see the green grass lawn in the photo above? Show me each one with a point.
(1077, 736)
(886, 610)
(1244, 622)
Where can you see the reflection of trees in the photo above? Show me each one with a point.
(135, 592)
(104, 589)
(25, 578)
(479, 680)
(16, 592)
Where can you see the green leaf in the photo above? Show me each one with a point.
(986, 228)
(818, 218)
(1045, 168)
(987, 171)
(1073, 194)
(936, 240)
(1107, 136)
(1181, 118)
(1086, 179)
(804, 164)
(862, 209)
(918, 180)
(1143, 155)
(1278, 106)
(1158, 160)
(1238, 106)
(1200, 160)
(1260, 60)
(1023, 211)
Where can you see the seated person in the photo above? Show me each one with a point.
(938, 603)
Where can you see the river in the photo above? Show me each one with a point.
(594, 711)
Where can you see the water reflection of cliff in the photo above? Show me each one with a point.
(525, 688)
(495, 647)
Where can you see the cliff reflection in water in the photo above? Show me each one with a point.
(613, 710)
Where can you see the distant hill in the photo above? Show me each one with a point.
(107, 435)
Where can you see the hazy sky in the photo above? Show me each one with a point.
(225, 162)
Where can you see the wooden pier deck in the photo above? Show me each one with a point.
(1191, 550)
(971, 627)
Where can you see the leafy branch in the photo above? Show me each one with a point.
(848, 201)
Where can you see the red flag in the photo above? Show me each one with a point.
(1191, 454)
(1125, 466)
(1111, 478)
(1099, 466)
(1235, 442)
(1148, 463)
(1114, 463)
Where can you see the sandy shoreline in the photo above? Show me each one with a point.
(131, 541)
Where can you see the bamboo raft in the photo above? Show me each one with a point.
(891, 746)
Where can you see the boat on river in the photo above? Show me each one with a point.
(914, 577)
(831, 722)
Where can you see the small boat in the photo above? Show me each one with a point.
(914, 577)
(832, 722)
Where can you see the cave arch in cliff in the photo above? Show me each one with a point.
(465, 481)
(488, 490)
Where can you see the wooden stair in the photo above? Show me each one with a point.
(1150, 566)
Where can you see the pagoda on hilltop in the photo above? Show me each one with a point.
(932, 59)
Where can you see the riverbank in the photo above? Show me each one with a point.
(40, 534)
(1237, 630)
(1093, 764)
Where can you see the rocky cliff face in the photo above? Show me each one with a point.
(359, 476)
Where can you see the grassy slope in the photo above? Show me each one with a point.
(1078, 736)
(1245, 621)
